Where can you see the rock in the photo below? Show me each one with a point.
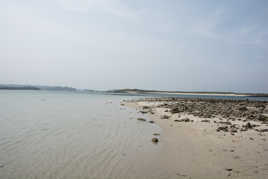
(186, 119)
(164, 117)
(233, 131)
(156, 134)
(141, 119)
(222, 128)
(243, 108)
(177, 120)
(2, 165)
(144, 112)
(174, 110)
(229, 169)
(205, 120)
(145, 107)
(249, 125)
(225, 123)
(262, 130)
(262, 117)
(151, 122)
(155, 140)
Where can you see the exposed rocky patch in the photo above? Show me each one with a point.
(249, 114)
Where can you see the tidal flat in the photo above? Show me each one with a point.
(209, 138)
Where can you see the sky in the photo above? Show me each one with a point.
(194, 45)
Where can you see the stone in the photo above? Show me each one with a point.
(186, 119)
(262, 130)
(155, 140)
(151, 122)
(262, 117)
(141, 119)
(205, 120)
(243, 108)
(164, 117)
(156, 134)
(222, 128)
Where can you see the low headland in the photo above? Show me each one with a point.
(210, 93)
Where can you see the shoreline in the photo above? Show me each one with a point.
(202, 146)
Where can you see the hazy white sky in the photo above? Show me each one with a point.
(153, 44)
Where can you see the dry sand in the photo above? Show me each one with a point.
(197, 150)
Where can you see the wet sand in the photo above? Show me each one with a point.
(210, 144)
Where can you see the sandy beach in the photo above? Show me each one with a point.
(225, 139)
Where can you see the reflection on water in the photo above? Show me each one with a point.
(69, 135)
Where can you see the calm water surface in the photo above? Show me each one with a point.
(71, 135)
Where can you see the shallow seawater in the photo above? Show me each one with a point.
(71, 135)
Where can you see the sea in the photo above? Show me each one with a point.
(69, 135)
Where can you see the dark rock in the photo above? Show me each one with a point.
(262, 117)
(222, 128)
(262, 130)
(155, 140)
(144, 112)
(177, 120)
(156, 134)
(225, 123)
(229, 169)
(186, 119)
(174, 110)
(205, 120)
(141, 119)
(151, 122)
(243, 108)
(145, 107)
(164, 117)
(233, 131)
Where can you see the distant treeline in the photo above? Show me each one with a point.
(38, 87)
(18, 88)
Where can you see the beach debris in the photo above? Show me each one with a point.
(141, 119)
(155, 140)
